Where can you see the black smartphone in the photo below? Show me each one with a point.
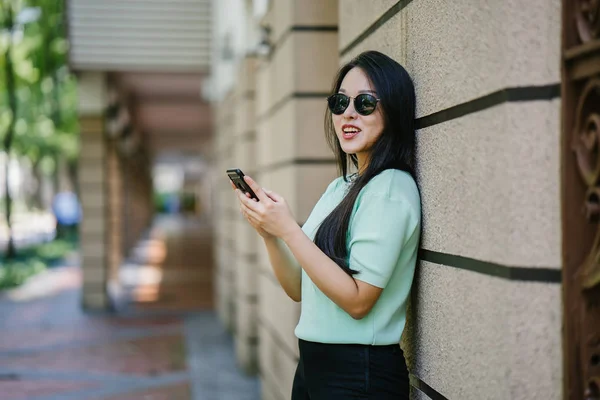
(237, 177)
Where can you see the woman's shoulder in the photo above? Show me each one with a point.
(334, 184)
(395, 185)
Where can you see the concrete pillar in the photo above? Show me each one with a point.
(292, 156)
(228, 211)
(246, 241)
(115, 205)
(92, 182)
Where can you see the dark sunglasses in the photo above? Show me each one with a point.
(364, 103)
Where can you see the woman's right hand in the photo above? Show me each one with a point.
(264, 234)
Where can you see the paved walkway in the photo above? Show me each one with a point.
(51, 350)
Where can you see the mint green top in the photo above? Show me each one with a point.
(383, 240)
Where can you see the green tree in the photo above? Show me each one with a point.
(38, 102)
(9, 80)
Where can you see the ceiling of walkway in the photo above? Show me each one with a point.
(156, 54)
(168, 110)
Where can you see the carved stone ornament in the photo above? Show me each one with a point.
(587, 15)
(586, 144)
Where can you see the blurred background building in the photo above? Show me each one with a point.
(140, 68)
(173, 93)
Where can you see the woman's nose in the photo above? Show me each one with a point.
(350, 112)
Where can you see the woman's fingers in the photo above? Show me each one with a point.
(272, 195)
(262, 196)
(249, 213)
(248, 201)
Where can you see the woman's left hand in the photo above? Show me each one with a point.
(271, 213)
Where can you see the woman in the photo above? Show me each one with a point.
(352, 262)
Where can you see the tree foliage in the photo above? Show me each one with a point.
(46, 119)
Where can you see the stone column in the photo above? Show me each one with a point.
(92, 182)
(227, 211)
(292, 156)
(246, 241)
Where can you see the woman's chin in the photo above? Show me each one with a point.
(351, 149)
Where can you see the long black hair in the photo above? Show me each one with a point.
(394, 149)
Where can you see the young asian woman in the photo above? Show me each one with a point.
(352, 263)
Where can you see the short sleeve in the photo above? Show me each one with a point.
(379, 230)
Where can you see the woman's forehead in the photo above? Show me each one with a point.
(356, 81)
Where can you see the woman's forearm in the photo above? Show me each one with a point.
(341, 288)
(287, 272)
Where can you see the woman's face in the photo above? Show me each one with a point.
(357, 133)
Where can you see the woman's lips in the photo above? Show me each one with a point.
(349, 131)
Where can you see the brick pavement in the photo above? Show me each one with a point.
(172, 348)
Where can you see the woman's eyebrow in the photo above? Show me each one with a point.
(342, 90)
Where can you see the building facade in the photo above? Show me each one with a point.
(486, 311)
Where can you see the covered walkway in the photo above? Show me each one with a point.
(163, 341)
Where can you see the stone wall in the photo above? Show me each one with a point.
(485, 313)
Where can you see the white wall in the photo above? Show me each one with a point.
(236, 22)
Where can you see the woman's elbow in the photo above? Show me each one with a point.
(359, 312)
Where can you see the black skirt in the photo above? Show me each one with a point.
(350, 371)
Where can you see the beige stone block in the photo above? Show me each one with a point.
(92, 125)
(263, 265)
(245, 156)
(277, 366)
(281, 18)
(94, 300)
(296, 130)
(90, 173)
(93, 247)
(246, 277)
(246, 353)
(93, 226)
(275, 141)
(250, 152)
(315, 60)
(270, 393)
(501, 44)
(91, 150)
(490, 185)
(358, 15)
(221, 299)
(246, 81)
(300, 185)
(263, 90)
(535, 340)
(245, 241)
(280, 73)
(280, 312)
(315, 12)
(306, 62)
(93, 199)
(494, 333)
(247, 317)
(226, 301)
(309, 131)
(244, 117)
(93, 262)
(93, 273)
